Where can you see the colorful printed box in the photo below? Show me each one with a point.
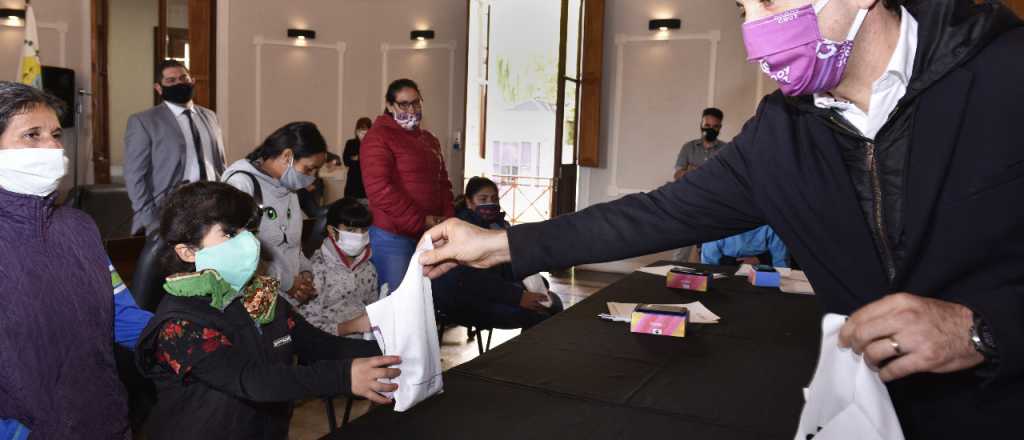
(679, 278)
(662, 320)
(764, 276)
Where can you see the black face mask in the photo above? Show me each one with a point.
(178, 93)
(710, 134)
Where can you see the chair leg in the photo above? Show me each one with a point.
(480, 341)
(490, 332)
(348, 411)
(332, 421)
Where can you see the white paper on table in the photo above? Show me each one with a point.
(796, 282)
(699, 314)
(403, 324)
(535, 283)
(846, 400)
(661, 271)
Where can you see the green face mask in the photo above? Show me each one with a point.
(235, 260)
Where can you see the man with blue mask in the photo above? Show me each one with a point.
(888, 162)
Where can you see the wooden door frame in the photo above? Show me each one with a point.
(99, 13)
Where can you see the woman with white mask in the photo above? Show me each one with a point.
(286, 162)
(57, 321)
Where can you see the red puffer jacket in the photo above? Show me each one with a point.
(405, 177)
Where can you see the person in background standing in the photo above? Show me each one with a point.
(171, 143)
(694, 153)
(406, 181)
(354, 182)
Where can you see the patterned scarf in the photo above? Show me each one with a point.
(259, 297)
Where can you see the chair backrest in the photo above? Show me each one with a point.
(108, 205)
(148, 281)
(314, 231)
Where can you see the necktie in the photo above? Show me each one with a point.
(198, 144)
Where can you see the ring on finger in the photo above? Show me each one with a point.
(896, 347)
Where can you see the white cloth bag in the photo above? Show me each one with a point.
(403, 324)
(846, 400)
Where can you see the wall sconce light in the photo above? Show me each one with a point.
(421, 35)
(665, 24)
(302, 34)
(14, 16)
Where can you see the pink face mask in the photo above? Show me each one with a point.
(790, 49)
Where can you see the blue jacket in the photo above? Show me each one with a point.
(748, 244)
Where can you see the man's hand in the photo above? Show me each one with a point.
(753, 261)
(533, 301)
(906, 334)
(457, 242)
(366, 371)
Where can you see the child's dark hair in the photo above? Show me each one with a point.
(349, 212)
(303, 138)
(476, 184)
(190, 211)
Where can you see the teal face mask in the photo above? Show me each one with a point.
(235, 260)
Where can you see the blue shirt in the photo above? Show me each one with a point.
(748, 244)
(129, 321)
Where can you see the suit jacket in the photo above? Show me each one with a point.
(963, 225)
(154, 159)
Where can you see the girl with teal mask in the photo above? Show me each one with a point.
(221, 346)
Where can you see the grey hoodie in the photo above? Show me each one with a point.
(288, 260)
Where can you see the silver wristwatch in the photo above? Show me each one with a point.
(982, 339)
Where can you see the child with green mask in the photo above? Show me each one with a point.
(221, 345)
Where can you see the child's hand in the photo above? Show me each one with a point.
(533, 301)
(366, 371)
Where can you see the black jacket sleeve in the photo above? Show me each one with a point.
(237, 373)
(710, 203)
(351, 151)
(313, 345)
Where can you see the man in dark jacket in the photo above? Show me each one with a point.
(903, 218)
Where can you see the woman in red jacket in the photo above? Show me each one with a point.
(406, 181)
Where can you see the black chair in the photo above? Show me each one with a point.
(313, 234)
(332, 419)
(108, 205)
(443, 323)
(148, 280)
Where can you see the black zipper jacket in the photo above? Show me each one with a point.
(939, 188)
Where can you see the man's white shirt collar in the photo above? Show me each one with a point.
(883, 99)
(178, 109)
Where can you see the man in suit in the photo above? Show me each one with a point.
(171, 143)
(891, 175)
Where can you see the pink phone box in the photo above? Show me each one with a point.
(663, 320)
(686, 279)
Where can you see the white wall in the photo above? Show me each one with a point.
(64, 41)
(130, 67)
(266, 80)
(653, 92)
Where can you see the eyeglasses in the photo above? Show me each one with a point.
(410, 105)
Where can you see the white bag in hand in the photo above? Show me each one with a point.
(403, 324)
(846, 399)
(535, 283)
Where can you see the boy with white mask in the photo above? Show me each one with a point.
(343, 272)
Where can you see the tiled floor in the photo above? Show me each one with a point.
(310, 418)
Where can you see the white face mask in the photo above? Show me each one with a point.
(32, 171)
(351, 243)
(361, 134)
